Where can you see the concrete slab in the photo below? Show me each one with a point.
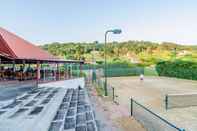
(41, 108)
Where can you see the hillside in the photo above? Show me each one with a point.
(143, 52)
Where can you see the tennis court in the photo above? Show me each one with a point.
(152, 92)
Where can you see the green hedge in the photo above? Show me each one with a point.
(179, 69)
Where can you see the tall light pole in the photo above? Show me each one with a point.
(114, 31)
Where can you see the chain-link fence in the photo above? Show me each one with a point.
(100, 85)
(117, 72)
(113, 70)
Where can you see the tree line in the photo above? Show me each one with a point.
(142, 50)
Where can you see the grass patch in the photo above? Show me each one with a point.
(100, 91)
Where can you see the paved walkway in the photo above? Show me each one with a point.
(59, 106)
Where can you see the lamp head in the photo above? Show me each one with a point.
(116, 31)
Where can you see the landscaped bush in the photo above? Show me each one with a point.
(179, 69)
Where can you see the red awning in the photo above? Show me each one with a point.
(17, 48)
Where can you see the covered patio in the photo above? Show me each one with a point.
(20, 60)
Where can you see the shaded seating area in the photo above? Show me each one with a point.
(11, 73)
(20, 60)
(48, 72)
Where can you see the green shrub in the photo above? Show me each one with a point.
(177, 68)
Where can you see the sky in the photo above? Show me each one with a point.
(46, 21)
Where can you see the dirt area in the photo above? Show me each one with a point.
(113, 116)
(151, 93)
(130, 124)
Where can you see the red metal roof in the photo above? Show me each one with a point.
(17, 48)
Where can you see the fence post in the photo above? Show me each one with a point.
(166, 102)
(113, 93)
(131, 104)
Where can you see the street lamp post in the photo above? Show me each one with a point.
(114, 31)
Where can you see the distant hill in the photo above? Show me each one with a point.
(144, 52)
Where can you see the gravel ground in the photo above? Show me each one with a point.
(151, 93)
(112, 117)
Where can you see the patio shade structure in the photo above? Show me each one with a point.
(14, 49)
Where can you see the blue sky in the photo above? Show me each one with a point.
(45, 21)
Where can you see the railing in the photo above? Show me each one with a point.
(150, 120)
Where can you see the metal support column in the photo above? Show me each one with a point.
(80, 70)
(131, 106)
(37, 72)
(13, 70)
